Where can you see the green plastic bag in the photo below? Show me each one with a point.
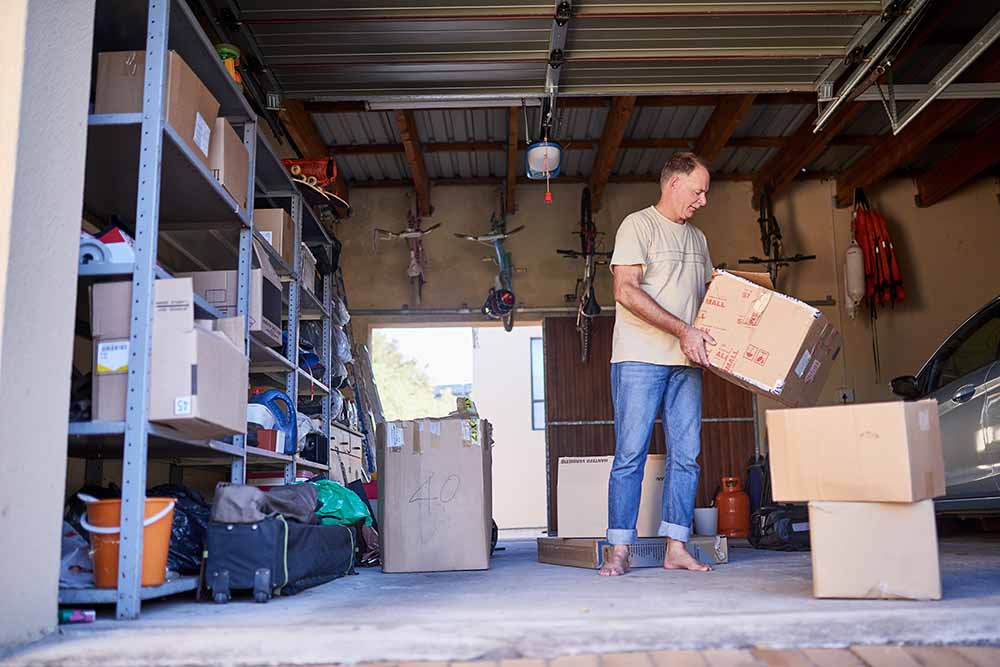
(339, 506)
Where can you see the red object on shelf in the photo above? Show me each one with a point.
(267, 438)
(734, 508)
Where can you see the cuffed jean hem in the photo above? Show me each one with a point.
(671, 530)
(622, 536)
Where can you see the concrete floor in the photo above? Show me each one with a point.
(523, 608)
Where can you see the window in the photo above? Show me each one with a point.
(537, 385)
(969, 350)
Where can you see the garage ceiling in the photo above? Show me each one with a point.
(361, 50)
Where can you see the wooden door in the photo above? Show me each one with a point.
(580, 421)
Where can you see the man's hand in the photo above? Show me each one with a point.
(693, 342)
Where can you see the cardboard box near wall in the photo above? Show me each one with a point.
(876, 452)
(767, 342)
(221, 289)
(592, 552)
(346, 468)
(278, 228)
(229, 161)
(308, 269)
(435, 494)
(191, 107)
(874, 550)
(198, 367)
(582, 496)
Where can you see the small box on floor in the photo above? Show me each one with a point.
(875, 452)
(874, 550)
(191, 107)
(766, 341)
(591, 553)
(582, 496)
(435, 487)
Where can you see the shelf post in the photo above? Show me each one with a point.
(292, 348)
(327, 364)
(134, 457)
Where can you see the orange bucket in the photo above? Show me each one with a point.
(103, 522)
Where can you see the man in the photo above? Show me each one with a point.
(661, 267)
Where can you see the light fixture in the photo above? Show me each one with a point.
(542, 160)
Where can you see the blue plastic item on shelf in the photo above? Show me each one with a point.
(281, 406)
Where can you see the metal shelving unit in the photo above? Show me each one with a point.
(141, 172)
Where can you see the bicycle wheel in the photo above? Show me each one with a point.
(584, 329)
(586, 223)
(416, 290)
(508, 321)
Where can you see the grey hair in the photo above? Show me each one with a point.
(681, 163)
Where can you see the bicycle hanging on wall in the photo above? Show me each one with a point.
(500, 301)
(585, 297)
(770, 240)
(414, 234)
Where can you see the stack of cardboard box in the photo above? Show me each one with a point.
(869, 473)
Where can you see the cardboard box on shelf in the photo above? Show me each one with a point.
(874, 550)
(191, 107)
(229, 161)
(221, 288)
(346, 468)
(592, 552)
(198, 367)
(278, 228)
(435, 494)
(582, 496)
(767, 342)
(308, 269)
(875, 452)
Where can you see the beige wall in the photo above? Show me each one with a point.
(502, 391)
(949, 254)
(45, 48)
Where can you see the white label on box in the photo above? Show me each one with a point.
(803, 364)
(435, 427)
(112, 357)
(182, 405)
(924, 420)
(202, 133)
(268, 236)
(467, 431)
(394, 436)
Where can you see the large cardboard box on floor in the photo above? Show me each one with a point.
(191, 107)
(435, 492)
(221, 289)
(278, 229)
(592, 552)
(198, 374)
(875, 452)
(582, 496)
(874, 550)
(229, 161)
(767, 342)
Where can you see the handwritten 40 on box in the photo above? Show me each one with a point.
(766, 341)
(436, 494)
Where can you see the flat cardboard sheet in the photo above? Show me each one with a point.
(582, 496)
(877, 452)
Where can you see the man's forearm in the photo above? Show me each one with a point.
(638, 302)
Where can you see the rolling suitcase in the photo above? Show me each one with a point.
(275, 557)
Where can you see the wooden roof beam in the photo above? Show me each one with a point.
(407, 126)
(607, 150)
(721, 125)
(510, 202)
(306, 137)
(964, 164)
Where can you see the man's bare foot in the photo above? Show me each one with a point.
(618, 564)
(678, 558)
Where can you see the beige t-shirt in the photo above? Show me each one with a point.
(676, 267)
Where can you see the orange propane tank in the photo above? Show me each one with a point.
(734, 508)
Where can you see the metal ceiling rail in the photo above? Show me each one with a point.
(950, 72)
(872, 59)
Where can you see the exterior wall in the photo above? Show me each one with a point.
(502, 391)
(45, 49)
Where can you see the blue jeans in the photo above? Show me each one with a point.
(640, 393)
